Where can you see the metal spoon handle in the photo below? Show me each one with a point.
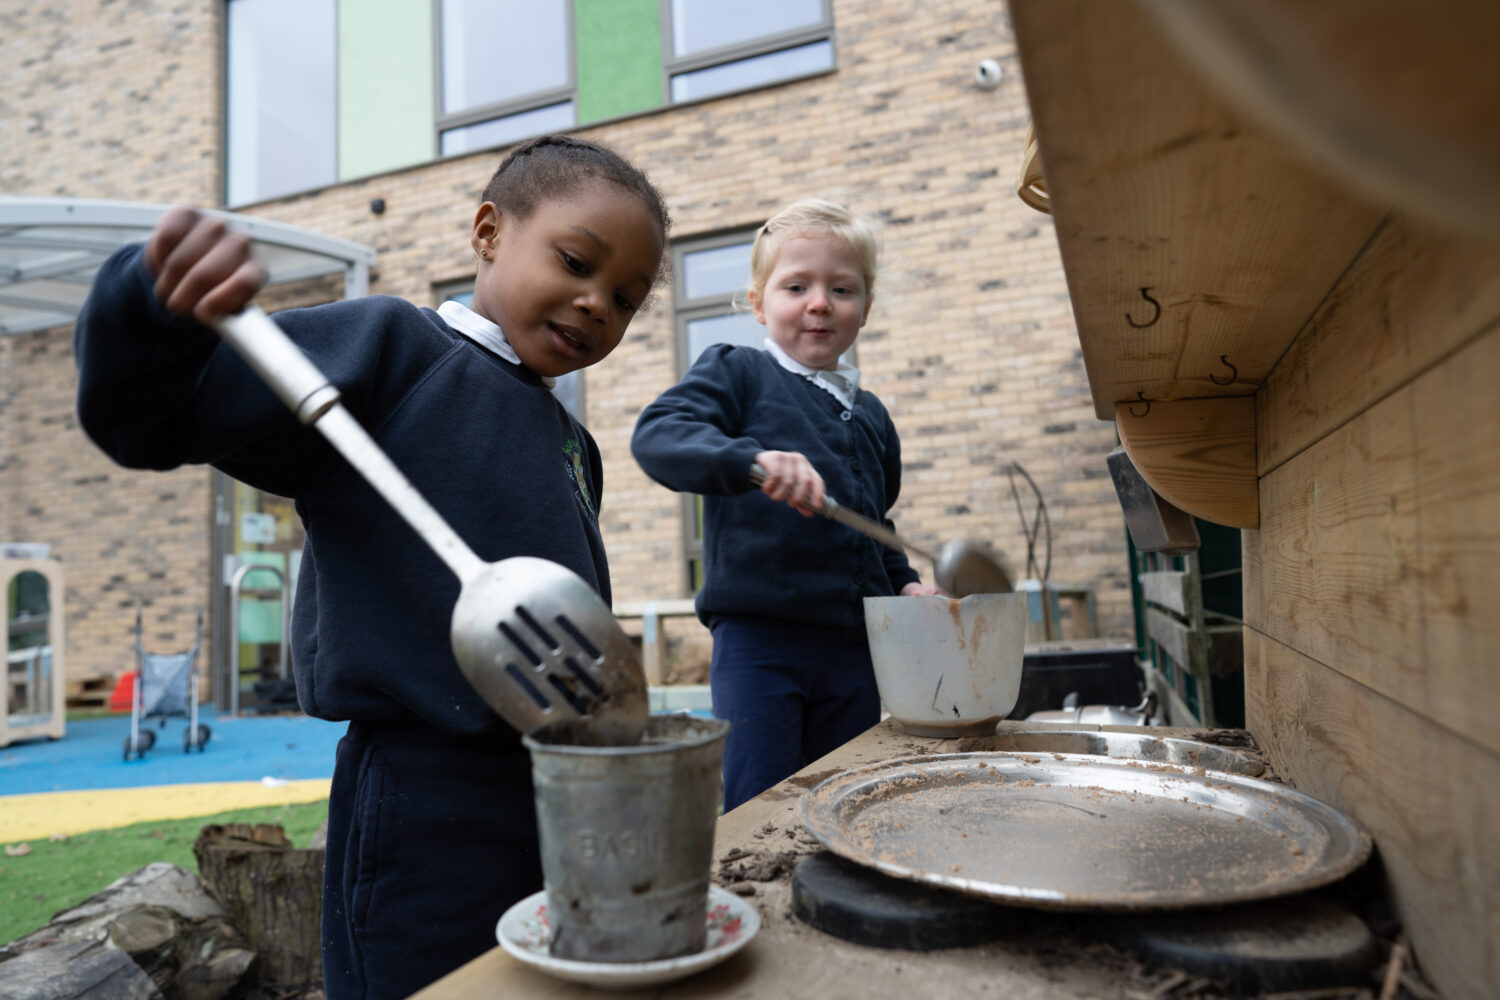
(835, 511)
(315, 401)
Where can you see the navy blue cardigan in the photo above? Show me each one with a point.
(760, 557)
(484, 440)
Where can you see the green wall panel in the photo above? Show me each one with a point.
(385, 85)
(619, 58)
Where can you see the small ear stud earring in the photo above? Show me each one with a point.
(483, 252)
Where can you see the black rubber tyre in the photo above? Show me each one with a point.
(194, 741)
(137, 747)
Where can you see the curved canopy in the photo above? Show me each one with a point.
(51, 247)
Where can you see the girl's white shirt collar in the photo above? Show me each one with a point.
(842, 384)
(484, 333)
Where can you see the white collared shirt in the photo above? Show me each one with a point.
(842, 384)
(484, 333)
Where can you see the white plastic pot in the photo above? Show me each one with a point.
(948, 667)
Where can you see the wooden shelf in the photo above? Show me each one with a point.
(1196, 245)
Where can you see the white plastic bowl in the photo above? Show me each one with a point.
(948, 667)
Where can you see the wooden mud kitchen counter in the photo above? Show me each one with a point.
(1035, 954)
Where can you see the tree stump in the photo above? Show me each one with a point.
(273, 893)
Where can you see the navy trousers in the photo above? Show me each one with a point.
(791, 693)
(431, 837)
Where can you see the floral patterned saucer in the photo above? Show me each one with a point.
(525, 932)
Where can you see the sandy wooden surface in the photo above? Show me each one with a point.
(757, 847)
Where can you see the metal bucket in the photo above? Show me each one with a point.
(627, 836)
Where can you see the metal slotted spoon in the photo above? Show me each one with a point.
(535, 640)
(962, 567)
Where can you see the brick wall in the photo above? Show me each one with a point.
(971, 342)
(104, 100)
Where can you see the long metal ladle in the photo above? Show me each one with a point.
(962, 567)
(531, 636)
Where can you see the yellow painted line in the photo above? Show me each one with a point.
(47, 814)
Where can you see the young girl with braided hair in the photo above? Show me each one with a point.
(431, 820)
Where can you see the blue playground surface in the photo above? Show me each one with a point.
(82, 782)
(242, 748)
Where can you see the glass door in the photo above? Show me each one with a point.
(28, 695)
(258, 545)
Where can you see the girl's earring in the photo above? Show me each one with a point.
(483, 252)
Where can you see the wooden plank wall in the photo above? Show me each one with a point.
(1372, 589)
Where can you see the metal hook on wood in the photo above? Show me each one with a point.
(1234, 372)
(1141, 395)
(1155, 315)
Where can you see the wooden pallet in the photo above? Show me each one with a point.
(90, 693)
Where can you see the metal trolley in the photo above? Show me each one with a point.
(166, 686)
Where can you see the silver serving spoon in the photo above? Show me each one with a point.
(963, 567)
(536, 642)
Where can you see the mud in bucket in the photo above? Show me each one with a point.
(627, 837)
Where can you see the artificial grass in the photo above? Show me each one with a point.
(61, 873)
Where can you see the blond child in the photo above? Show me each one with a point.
(783, 593)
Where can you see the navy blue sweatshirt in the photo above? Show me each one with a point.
(760, 556)
(482, 439)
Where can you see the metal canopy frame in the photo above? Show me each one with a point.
(50, 249)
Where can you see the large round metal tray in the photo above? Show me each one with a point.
(1136, 746)
(1074, 832)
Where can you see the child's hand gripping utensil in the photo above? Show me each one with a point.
(962, 568)
(535, 641)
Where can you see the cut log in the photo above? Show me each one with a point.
(75, 969)
(156, 934)
(273, 892)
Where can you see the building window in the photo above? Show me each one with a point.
(569, 387)
(282, 91)
(320, 92)
(507, 71)
(712, 275)
(713, 48)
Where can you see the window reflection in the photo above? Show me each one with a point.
(753, 72)
(282, 92)
(703, 25)
(531, 55)
(511, 128)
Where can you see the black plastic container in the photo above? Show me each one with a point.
(1100, 671)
